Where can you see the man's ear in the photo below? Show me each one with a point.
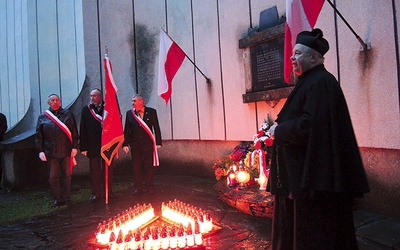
(314, 57)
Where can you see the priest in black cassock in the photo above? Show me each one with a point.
(316, 170)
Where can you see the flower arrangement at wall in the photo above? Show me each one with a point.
(224, 164)
(246, 154)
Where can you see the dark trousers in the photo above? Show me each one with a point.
(1, 172)
(324, 221)
(97, 175)
(60, 178)
(142, 162)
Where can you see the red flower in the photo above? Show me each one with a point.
(239, 153)
(219, 172)
(258, 145)
(268, 142)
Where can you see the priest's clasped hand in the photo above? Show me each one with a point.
(42, 156)
(272, 129)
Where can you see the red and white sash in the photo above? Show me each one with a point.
(95, 115)
(262, 160)
(64, 128)
(148, 131)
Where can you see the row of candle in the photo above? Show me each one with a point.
(124, 230)
(179, 212)
(169, 237)
(131, 219)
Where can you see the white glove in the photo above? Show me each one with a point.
(74, 151)
(42, 156)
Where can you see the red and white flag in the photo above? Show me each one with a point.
(170, 59)
(112, 134)
(300, 15)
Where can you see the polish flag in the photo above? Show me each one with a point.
(170, 59)
(300, 15)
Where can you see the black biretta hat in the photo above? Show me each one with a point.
(313, 39)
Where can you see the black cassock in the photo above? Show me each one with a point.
(316, 167)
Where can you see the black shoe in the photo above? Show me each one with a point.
(58, 203)
(93, 198)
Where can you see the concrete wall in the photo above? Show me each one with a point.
(42, 53)
(202, 121)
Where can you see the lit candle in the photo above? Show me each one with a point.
(164, 238)
(112, 241)
(243, 177)
(232, 179)
(262, 181)
(197, 235)
(137, 242)
(173, 240)
(103, 235)
(147, 241)
(156, 239)
(128, 239)
(208, 221)
(181, 237)
(189, 236)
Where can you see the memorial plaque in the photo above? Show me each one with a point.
(267, 65)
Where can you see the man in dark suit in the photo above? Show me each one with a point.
(57, 143)
(90, 143)
(142, 133)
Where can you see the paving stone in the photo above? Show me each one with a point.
(362, 217)
(384, 232)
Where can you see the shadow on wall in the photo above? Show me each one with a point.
(144, 54)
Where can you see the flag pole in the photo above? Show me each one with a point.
(106, 165)
(208, 80)
(363, 44)
(106, 183)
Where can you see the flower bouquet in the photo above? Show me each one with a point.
(252, 155)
